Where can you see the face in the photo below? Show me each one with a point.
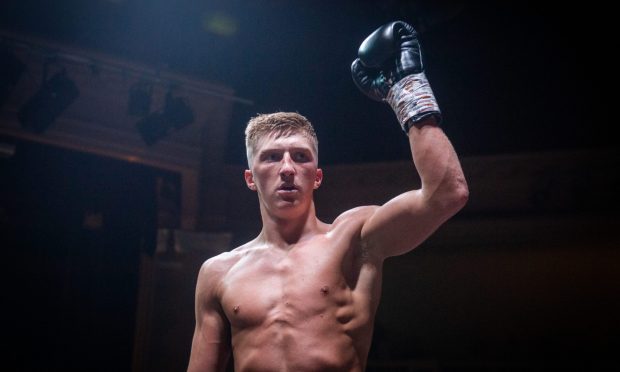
(284, 173)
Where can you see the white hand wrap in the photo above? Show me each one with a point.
(412, 99)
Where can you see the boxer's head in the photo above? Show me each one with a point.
(277, 124)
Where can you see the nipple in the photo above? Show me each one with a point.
(236, 309)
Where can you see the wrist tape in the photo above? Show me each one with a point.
(412, 99)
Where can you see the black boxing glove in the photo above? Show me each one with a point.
(390, 69)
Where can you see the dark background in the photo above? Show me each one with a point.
(71, 289)
(509, 77)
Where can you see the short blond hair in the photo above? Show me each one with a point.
(278, 124)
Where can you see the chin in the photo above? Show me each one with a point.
(288, 209)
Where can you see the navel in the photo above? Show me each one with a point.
(324, 290)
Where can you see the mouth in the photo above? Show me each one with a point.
(287, 188)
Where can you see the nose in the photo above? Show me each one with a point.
(288, 166)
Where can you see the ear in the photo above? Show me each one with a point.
(249, 179)
(318, 179)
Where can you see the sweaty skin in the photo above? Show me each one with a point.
(303, 295)
(307, 307)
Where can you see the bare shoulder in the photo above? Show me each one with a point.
(215, 268)
(349, 224)
(356, 216)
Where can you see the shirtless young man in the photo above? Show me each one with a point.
(302, 296)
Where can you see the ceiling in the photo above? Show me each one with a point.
(510, 77)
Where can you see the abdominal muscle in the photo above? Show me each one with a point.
(301, 311)
(281, 346)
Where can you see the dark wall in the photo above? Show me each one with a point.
(519, 301)
(73, 228)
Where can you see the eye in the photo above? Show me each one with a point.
(272, 156)
(301, 157)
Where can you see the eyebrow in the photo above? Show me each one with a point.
(306, 150)
(295, 148)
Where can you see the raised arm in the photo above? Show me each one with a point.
(211, 341)
(389, 68)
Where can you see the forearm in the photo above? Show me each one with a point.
(389, 69)
(437, 164)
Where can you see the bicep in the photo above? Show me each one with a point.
(211, 341)
(401, 224)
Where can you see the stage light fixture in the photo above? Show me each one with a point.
(176, 114)
(54, 97)
(11, 69)
(177, 111)
(153, 127)
(139, 103)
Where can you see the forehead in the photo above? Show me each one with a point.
(293, 140)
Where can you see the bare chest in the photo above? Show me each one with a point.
(294, 287)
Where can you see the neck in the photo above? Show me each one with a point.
(286, 231)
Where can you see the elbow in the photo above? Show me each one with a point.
(459, 194)
(452, 197)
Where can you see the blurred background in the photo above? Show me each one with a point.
(121, 160)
